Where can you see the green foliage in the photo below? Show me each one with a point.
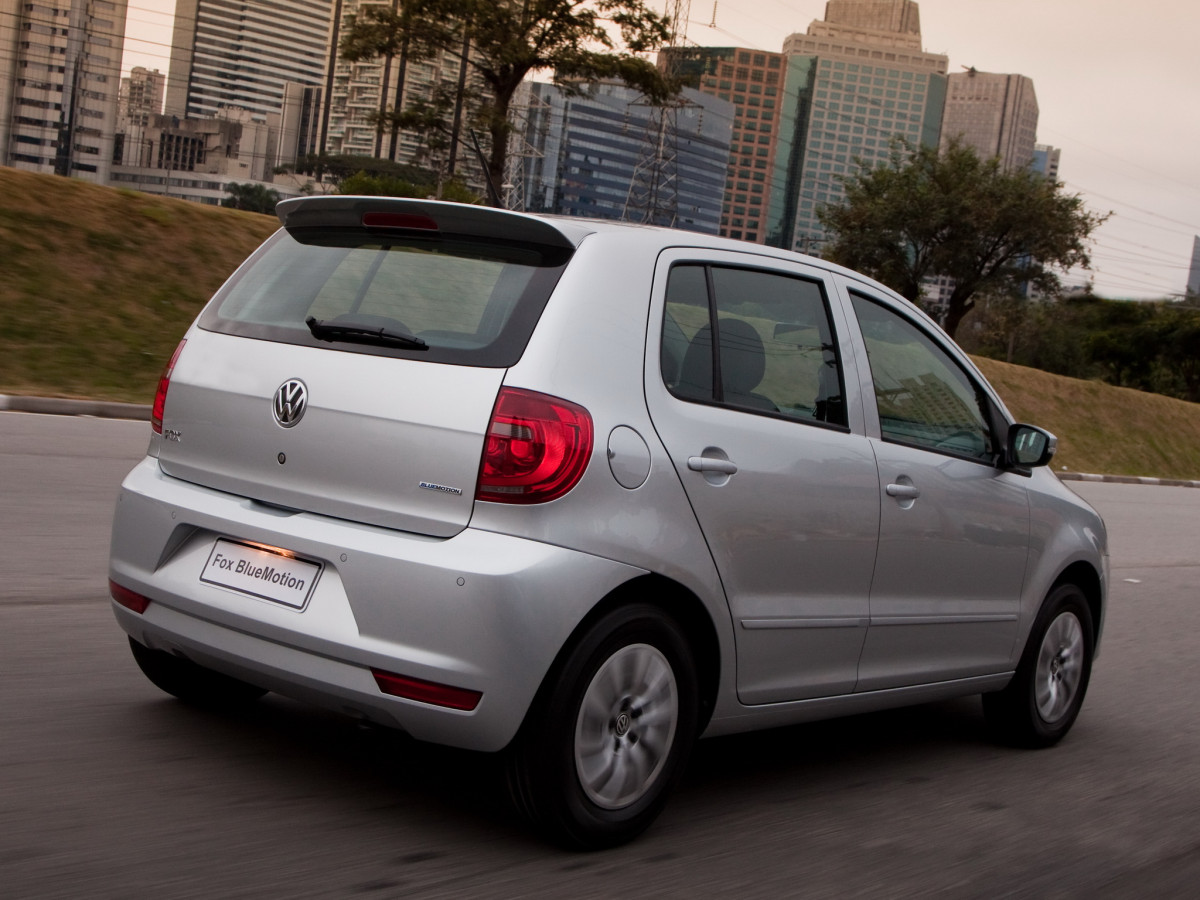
(336, 167)
(952, 214)
(508, 39)
(1147, 346)
(379, 186)
(251, 197)
(363, 184)
(454, 190)
(428, 120)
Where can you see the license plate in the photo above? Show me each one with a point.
(263, 572)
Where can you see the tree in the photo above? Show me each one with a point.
(999, 322)
(1177, 337)
(251, 197)
(425, 118)
(955, 215)
(505, 40)
(364, 184)
(334, 168)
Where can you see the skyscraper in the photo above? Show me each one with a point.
(994, 114)
(835, 97)
(243, 53)
(585, 150)
(755, 83)
(362, 90)
(859, 79)
(60, 67)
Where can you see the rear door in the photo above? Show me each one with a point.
(954, 528)
(748, 394)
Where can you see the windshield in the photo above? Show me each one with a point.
(469, 302)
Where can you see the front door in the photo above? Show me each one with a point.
(954, 528)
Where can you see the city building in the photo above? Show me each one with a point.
(996, 115)
(1046, 160)
(1193, 282)
(299, 123)
(242, 54)
(833, 99)
(362, 92)
(754, 83)
(194, 159)
(141, 95)
(856, 81)
(581, 153)
(60, 70)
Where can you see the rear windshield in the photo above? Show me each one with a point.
(471, 302)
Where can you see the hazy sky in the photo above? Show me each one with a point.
(1113, 82)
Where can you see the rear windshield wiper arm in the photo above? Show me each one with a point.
(362, 334)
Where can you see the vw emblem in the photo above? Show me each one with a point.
(290, 402)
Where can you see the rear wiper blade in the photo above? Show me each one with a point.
(362, 334)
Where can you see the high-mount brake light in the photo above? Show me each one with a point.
(537, 448)
(423, 691)
(398, 220)
(160, 396)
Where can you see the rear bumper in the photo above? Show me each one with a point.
(481, 611)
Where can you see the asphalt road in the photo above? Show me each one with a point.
(110, 789)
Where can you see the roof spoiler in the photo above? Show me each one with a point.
(415, 216)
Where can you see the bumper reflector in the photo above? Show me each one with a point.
(426, 691)
(127, 598)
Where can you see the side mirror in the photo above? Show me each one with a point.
(1029, 447)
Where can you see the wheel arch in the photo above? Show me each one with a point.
(1085, 577)
(676, 601)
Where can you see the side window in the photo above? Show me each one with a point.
(924, 397)
(774, 348)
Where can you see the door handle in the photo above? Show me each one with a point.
(709, 464)
(903, 491)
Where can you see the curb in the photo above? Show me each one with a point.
(104, 409)
(58, 406)
(1127, 479)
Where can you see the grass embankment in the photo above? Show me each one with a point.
(97, 286)
(1101, 428)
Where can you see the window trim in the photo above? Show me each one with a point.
(990, 409)
(717, 399)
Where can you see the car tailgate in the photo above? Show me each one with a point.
(389, 442)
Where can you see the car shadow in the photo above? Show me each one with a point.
(290, 751)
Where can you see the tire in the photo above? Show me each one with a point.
(1040, 704)
(191, 683)
(610, 733)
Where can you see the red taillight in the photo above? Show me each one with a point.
(536, 450)
(127, 598)
(426, 691)
(160, 396)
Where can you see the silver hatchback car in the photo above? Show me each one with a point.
(582, 492)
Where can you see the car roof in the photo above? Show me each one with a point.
(566, 232)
